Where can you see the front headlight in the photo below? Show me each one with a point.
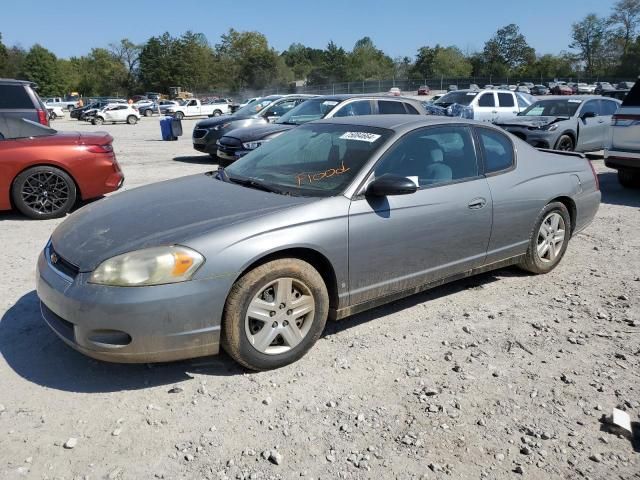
(254, 145)
(150, 266)
(551, 128)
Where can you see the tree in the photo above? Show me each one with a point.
(128, 54)
(507, 51)
(589, 36)
(626, 19)
(41, 66)
(333, 67)
(423, 68)
(450, 61)
(302, 60)
(4, 57)
(367, 62)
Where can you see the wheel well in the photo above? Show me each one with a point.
(79, 192)
(571, 134)
(571, 206)
(315, 259)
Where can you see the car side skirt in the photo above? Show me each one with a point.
(339, 314)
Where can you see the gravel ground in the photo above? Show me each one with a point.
(503, 375)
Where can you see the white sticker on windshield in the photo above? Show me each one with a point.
(472, 93)
(575, 101)
(330, 103)
(360, 136)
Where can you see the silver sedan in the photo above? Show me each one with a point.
(327, 220)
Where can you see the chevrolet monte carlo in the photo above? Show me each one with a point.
(323, 222)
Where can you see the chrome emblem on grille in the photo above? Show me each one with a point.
(54, 258)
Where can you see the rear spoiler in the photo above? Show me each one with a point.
(563, 152)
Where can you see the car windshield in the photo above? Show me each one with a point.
(459, 97)
(552, 108)
(314, 109)
(13, 128)
(253, 107)
(316, 160)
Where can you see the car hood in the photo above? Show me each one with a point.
(531, 121)
(212, 122)
(258, 132)
(164, 213)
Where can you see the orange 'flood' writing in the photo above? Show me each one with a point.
(317, 176)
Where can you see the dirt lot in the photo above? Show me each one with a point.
(500, 376)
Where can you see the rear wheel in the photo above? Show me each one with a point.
(565, 143)
(148, 112)
(44, 192)
(629, 178)
(549, 239)
(97, 120)
(179, 115)
(132, 119)
(217, 113)
(274, 314)
(53, 115)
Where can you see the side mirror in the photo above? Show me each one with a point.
(390, 185)
(586, 115)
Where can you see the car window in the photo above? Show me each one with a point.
(432, 156)
(313, 109)
(591, 106)
(282, 108)
(497, 150)
(15, 96)
(411, 109)
(505, 100)
(387, 107)
(486, 100)
(608, 107)
(362, 107)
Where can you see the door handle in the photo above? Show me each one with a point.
(477, 203)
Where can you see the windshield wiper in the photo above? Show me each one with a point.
(287, 123)
(252, 183)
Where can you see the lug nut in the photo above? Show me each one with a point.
(274, 325)
(272, 313)
(289, 312)
(285, 323)
(282, 306)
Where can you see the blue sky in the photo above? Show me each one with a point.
(399, 27)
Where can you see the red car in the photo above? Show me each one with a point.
(424, 90)
(44, 173)
(562, 90)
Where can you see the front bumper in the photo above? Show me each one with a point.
(204, 140)
(535, 138)
(131, 324)
(231, 154)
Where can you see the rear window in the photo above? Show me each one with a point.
(497, 150)
(633, 97)
(14, 97)
(386, 107)
(505, 100)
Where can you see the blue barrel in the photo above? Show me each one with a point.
(165, 128)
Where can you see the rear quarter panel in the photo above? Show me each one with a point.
(520, 195)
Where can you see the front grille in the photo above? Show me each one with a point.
(61, 265)
(199, 133)
(59, 324)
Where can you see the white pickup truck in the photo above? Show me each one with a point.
(194, 108)
(60, 102)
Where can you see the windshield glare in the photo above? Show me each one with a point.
(461, 98)
(314, 109)
(552, 108)
(317, 160)
(254, 107)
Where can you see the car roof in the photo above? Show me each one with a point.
(346, 96)
(582, 98)
(13, 81)
(397, 122)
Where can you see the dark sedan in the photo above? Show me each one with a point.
(241, 141)
(259, 112)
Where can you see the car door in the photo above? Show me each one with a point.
(591, 126)
(192, 108)
(507, 107)
(109, 114)
(607, 109)
(399, 242)
(484, 107)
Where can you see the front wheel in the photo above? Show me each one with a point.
(629, 178)
(274, 314)
(53, 115)
(179, 115)
(148, 113)
(44, 192)
(217, 113)
(97, 121)
(549, 239)
(132, 119)
(565, 143)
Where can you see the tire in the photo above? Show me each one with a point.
(217, 113)
(53, 116)
(97, 121)
(148, 113)
(537, 262)
(44, 192)
(132, 119)
(629, 178)
(179, 115)
(240, 332)
(565, 143)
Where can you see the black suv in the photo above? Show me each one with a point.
(18, 99)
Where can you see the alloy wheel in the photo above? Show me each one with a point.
(550, 237)
(279, 316)
(45, 192)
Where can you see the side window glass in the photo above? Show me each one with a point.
(497, 149)
(608, 107)
(352, 109)
(281, 108)
(591, 107)
(386, 107)
(432, 156)
(486, 100)
(506, 100)
(410, 108)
